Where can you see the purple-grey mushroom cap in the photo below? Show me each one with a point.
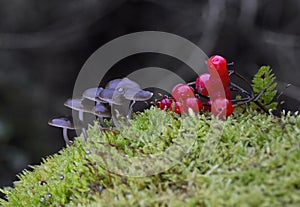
(117, 96)
(62, 122)
(111, 96)
(118, 90)
(137, 94)
(113, 83)
(92, 94)
(101, 110)
(76, 104)
(121, 83)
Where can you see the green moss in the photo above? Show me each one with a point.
(249, 159)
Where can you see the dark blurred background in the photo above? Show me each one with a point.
(43, 45)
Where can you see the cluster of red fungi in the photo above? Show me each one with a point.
(213, 86)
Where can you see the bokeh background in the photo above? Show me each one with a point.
(43, 45)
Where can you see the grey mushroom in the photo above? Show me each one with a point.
(117, 90)
(122, 83)
(119, 93)
(76, 104)
(101, 110)
(113, 83)
(137, 94)
(112, 96)
(92, 94)
(118, 96)
(65, 123)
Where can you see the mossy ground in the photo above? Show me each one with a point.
(253, 161)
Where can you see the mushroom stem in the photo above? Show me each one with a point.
(101, 121)
(80, 116)
(65, 123)
(84, 133)
(120, 113)
(83, 130)
(114, 115)
(65, 135)
(129, 115)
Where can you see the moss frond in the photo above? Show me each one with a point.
(265, 79)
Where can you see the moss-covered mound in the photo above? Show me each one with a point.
(250, 159)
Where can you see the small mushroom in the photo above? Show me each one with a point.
(76, 104)
(118, 90)
(101, 110)
(92, 94)
(65, 123)
(137, 94)
(112, 96)
(119, 96)
(113, 83)
(119, 93)
(122, 83)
